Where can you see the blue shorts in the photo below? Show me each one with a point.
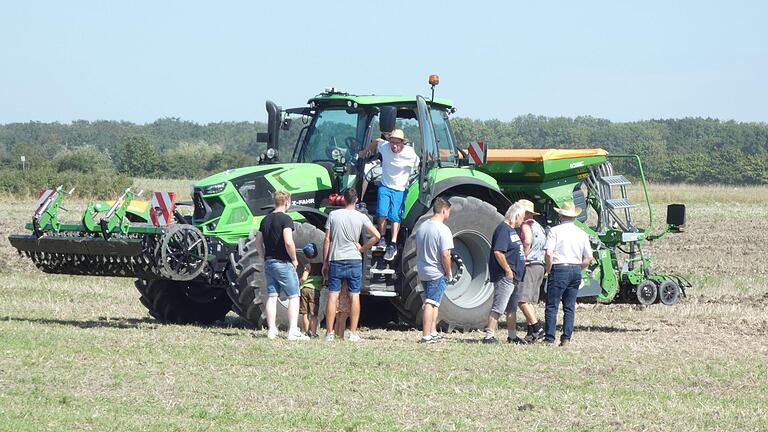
(281, 276)
(345, 270)
(434, 290)
(390, 203)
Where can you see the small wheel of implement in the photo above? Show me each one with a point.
(669, 293)
(646, 292)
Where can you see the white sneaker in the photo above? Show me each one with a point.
(272, 333)
(297, 336)
(354, 337)
(330, 337)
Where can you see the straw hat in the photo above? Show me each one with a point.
(568, 209)
(397, 133)
(528, 206)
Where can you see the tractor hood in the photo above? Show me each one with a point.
(308, 183)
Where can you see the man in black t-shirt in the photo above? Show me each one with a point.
(280, 263)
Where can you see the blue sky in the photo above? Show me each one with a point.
(219, 61)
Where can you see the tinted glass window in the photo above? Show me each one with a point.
(445, 144)
(334, 129)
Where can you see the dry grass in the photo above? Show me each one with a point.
(81, 354)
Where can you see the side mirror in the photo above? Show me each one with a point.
(387, 117)
(676, 216)
(286, 125)
(274, 120)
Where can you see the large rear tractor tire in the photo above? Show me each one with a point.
(183, 302)
(248, 293)
(468, 299)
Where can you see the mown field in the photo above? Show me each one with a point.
(81, 353)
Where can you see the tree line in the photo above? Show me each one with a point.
(692, 150)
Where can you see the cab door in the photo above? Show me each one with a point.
(429, 156)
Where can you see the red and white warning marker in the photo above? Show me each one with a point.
(477, 153)
(45, 198)
(161, 208)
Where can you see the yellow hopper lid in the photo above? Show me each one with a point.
(540, 155)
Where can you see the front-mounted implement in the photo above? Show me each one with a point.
(127, 238)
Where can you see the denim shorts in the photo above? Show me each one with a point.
(503, 293)
(390, 203)
(434, 290)
(281, 276)
(345, 270)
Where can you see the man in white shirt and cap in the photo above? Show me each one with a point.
(568, 251)
(397, 163)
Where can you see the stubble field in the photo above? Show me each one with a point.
(81, 353)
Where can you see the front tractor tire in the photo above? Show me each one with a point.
(183, 302)
(467, 301)
(248, 293)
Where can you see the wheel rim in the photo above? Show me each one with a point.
(646, 293)
(669, 292)
(470, 287)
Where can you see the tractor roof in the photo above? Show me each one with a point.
(335, 97)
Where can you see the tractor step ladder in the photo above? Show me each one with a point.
(619, 203)
(615, 180)
(614, 193)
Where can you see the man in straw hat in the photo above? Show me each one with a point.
(567, 252)
(397, 163)
(526, 295)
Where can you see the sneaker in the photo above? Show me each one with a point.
(271, 334)
(297, 336)
(330, 337)
(381, 244)
(565, 342)
(428, 340)
(436, 336)
(516, 340)
(490, 340)
(391, 252)
(535, 337)
(548, 342)
(354, 337)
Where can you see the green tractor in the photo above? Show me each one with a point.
(195, 268)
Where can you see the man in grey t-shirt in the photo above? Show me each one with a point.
(434, 242)
(342, 261)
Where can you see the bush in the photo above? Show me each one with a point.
(86, 159)
(105, 185)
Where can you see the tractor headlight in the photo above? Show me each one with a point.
(271, 153)
(214, 189)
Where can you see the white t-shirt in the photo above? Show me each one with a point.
(569, 243)
(396, 167)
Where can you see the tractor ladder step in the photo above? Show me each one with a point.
(615, 180)
(387, 271)
(619, 203)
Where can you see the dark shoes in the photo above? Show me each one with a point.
(490, 340)
(516, 341)
(565, 342)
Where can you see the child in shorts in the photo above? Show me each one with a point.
(342, 311)
(311, 282)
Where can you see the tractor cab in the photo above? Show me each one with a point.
(336, 126)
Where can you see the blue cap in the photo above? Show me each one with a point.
(310, 250)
